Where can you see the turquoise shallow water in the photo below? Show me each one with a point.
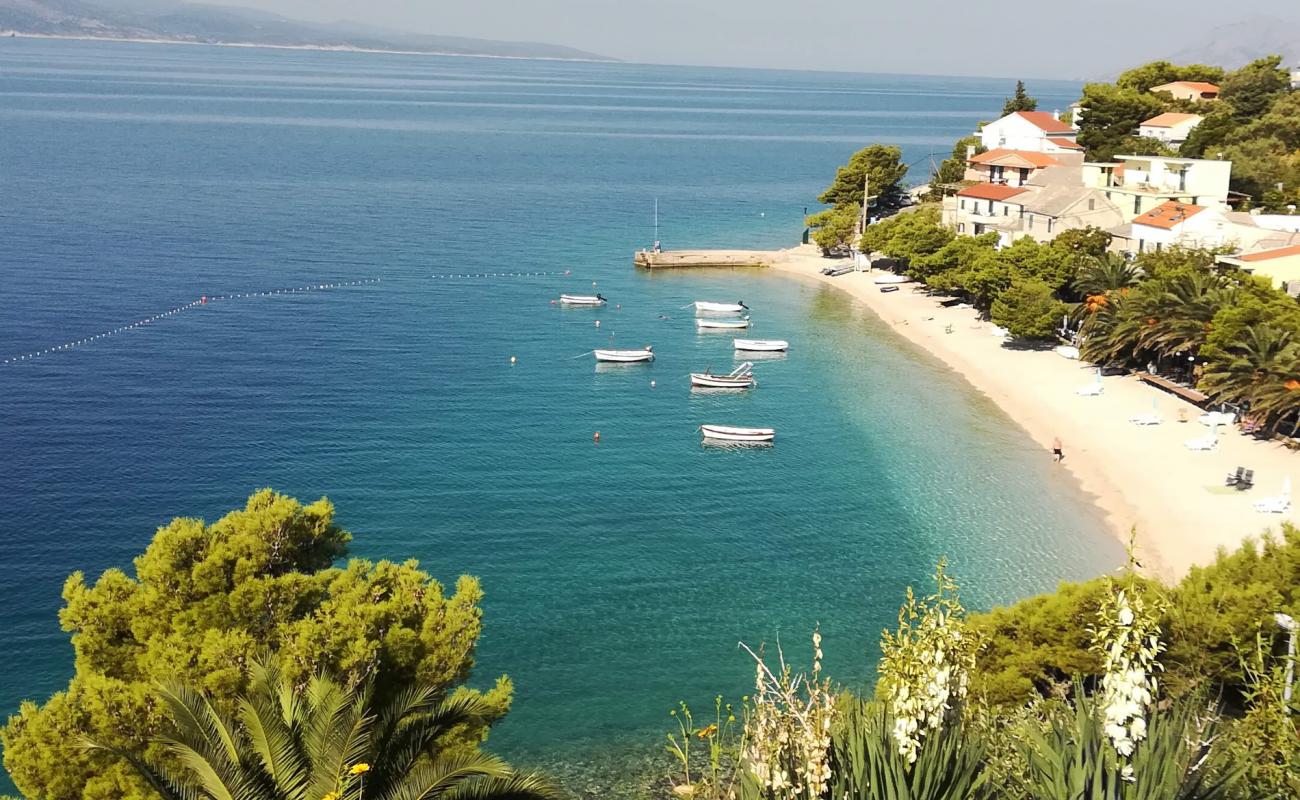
(619, 577)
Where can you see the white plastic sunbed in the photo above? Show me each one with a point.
(1091, 390)
(1148, 418)
(1202, 443)
(1273, 505)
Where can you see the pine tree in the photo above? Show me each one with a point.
(1021, 101)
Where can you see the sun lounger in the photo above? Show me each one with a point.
(1247, 481)
(1235, 478)
(1202, 443)
(1273, 505)
(1149, 418)
(1091, 390)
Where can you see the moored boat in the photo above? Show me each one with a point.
(739, 378)
(582, 300)
(720, 308)
(625, 356)
(761, 345)
(731, 433)
(730, 324)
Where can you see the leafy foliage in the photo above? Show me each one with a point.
(325, 741)
(1112, 114)
(865, 764)
(1028, 310)
(834, 228)
(1158, 73)
(880, 163)
(204, 601)
(908, 236)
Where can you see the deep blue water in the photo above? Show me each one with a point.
(619, 577)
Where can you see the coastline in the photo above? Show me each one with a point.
(1139, 476)
(320, 48)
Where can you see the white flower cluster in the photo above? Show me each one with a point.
(1128, 641)
(789, 731)
(925, 665)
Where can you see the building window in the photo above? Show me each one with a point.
(990, 208)
(1031, 222)
(963, 205)
(1092, 204)
(1137, 204)
(1006, 211)
(1049, 225)
(961, 227)
(1024, 175)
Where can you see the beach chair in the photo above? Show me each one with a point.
(1149, 418)
(1235, 478)
(1091, 390)
(1273, 505)
(1202, 443)
(1247, 481)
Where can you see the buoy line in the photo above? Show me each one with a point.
(549, 274)
(203, 300)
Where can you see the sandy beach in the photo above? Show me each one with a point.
(1141, 476)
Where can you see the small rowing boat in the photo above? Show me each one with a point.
(761, 345)
(582, 300)
(625, 356)
(720, 308)
(888, 289)
(730, 433)
(739, 378)
(885, 280)
(729, 324)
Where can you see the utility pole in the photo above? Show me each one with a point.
(866, 201)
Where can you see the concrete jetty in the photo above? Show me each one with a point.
(677, 259)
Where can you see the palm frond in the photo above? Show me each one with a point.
(438, 777)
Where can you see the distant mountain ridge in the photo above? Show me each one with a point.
(169, 20)
(1240, 43)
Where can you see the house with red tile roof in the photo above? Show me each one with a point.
(1013, 167)
(1189, 90)
(1053, 200)
(1171, 128)
(1279, 264)
(1138, 184)
(1038, 131)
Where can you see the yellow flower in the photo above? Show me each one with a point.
(331, 796)
(359, 769)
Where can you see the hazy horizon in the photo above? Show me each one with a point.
(923, 36)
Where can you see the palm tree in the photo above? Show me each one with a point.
(1179, 310)
(1261, 370)
(327, 742)
(1109, 273)
(1112, 329)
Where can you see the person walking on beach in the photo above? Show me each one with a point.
(1057, 452)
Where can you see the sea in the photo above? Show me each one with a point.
(334, 274)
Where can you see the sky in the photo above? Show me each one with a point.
(950, 37)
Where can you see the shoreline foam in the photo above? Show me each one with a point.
(1138, 476)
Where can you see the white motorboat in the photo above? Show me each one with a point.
(889, 278)
(582, 300)
(625, 356)
(761, 345)
(720, 308)
(739, 378)
(729, 324)
(730, 433)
